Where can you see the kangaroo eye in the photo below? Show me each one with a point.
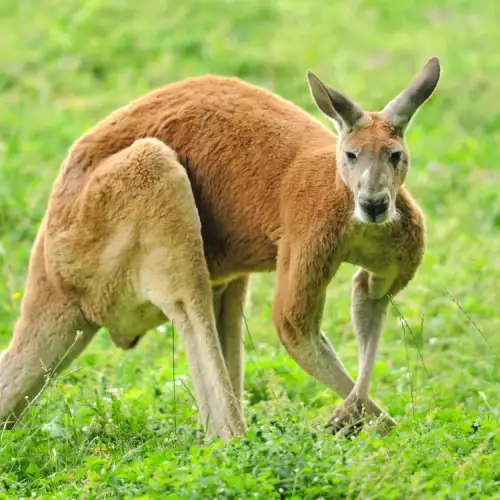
(396, 158)
(352, 157)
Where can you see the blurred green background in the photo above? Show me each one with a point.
(113, 420)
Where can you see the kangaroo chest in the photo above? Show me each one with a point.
(377, 249)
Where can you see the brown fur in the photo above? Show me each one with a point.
(120, 245)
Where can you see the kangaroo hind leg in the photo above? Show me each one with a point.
(170, 267)
(229, 303)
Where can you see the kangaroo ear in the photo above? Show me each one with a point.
(344, 112)
(401, 109)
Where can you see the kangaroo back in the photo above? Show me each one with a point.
(236, 141)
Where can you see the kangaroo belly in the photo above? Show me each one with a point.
(129, 321)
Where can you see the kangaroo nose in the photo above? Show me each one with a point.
(374, 207)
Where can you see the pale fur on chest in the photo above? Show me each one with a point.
(376, 248)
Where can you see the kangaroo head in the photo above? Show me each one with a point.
(372, 157)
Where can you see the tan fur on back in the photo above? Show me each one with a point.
(237, 143)
(247, 153)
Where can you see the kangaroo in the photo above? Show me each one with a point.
(163, 210)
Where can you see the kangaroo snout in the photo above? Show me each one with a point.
(374, 209)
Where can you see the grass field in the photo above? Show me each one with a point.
(123, 424)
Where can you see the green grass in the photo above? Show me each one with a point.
(113, 427)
